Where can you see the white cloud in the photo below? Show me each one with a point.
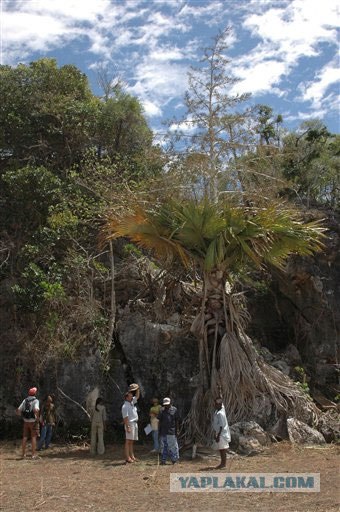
(160, 81)
(264, 77)
(72, 10)
(33, 32)
(151, 109)
(304, 116)
(41, 26)
(303, 23)
(286, 34)
(166, 54)
(209, 11)
(315, 91)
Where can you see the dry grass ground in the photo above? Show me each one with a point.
(66, 478)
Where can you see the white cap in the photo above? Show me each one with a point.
(166, 401)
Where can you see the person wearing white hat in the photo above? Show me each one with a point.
(130, 418)
(168, 427)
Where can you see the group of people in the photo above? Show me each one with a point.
(164, 422)
(39, 421)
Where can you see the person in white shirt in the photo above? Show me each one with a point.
(98, 425)
(29, 410)
(130, 419)
(221, 432)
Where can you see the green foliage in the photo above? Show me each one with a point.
(267, 127)
(304, 387)
(122, 128)
(301, 375)
(310, 161)
(261, 286)
(39, 288)
(27, 195)
(49, 117)
(64, 155)
(218, 236)
(132, 249)
(48, 114)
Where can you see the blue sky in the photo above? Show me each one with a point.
(285, 52)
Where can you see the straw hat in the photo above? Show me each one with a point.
(133, 387)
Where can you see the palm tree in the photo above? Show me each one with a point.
(221, 240)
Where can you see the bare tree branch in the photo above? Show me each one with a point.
(74, 401)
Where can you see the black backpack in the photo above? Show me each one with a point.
(28, 411)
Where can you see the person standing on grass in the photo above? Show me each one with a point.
(98, 425)
(130, 419)
(47, 423)
(221, 432)
(168, 427)
(29, 411)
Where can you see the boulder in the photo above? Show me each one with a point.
(248, 438)
(282, 366)
(329, 425)
(249, 446)
(301, 433)
(292, 355)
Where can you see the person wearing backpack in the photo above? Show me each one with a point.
(29, 410)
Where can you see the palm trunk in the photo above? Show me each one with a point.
(230, 365)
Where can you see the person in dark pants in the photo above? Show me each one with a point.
(168, 427)
(47, 422)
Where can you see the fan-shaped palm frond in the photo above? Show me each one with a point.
(225, 237)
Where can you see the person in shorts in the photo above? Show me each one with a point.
(29, 410)
(130, 419)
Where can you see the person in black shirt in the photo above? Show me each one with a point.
(168, 426)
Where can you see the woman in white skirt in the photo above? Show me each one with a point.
(221, 432)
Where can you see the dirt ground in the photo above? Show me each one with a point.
(66, 478)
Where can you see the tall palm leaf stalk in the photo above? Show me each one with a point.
(221, 240)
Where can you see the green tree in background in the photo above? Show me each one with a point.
(50, 117)
(48, 114)
(267, 127)
(310, 161)
(122, 126)
(65, 154)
